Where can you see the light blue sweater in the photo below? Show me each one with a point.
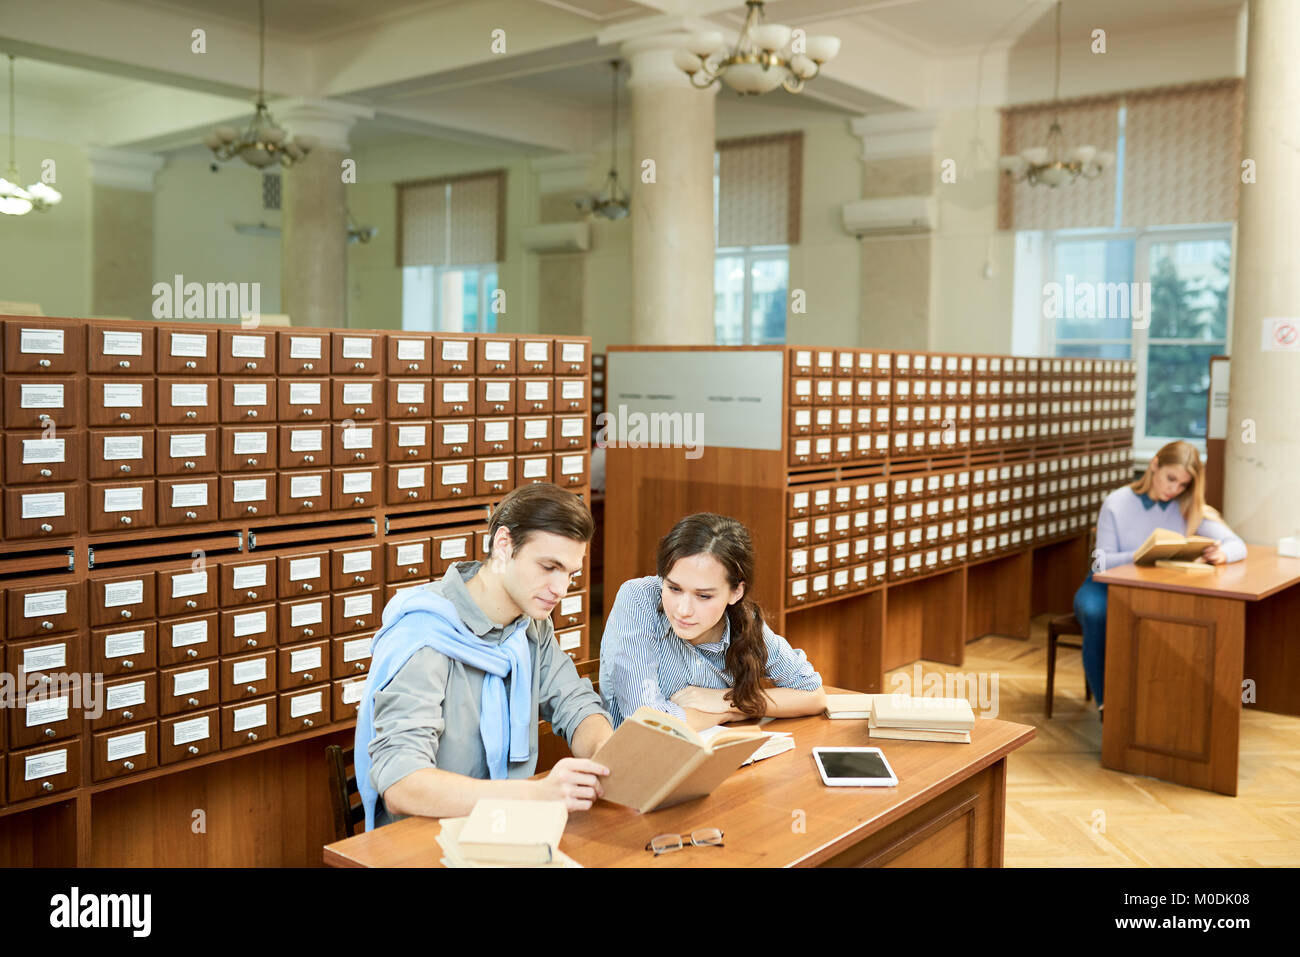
(1128, 519)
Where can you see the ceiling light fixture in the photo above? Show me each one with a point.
(16, 200)
(766, 56)
(611, 202)
(264, 142)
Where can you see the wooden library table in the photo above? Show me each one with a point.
(948, 810)
(1179, 647)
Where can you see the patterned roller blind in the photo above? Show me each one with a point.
(1083, 203)
(452, 221)
(759, 186)
(1182, 161)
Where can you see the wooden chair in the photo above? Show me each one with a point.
(349, 818)
(1064, 625)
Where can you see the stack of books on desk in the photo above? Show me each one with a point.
(504, 833)
(921, 719)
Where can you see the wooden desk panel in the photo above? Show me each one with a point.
(1263, 573)
(948, 809)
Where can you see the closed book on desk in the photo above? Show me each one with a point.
(919, 734)
(1167, 545)
(922, 714)
(1196, 568)
(513, 832)
(655, 760)
(848, 705)
(449, 839)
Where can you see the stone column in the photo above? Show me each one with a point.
(897, 160)
(313, 231)
(121, 232)
(672, 217)
(1262, 463)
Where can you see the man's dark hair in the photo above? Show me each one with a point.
(542, 507)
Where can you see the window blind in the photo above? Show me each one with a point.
(451, 221)
(759, 190)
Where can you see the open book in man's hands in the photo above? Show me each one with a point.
(655, 760)
(1164, 545)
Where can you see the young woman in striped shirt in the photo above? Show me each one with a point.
(1171, 495)
(690, 641)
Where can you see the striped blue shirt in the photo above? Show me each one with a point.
(643, 662)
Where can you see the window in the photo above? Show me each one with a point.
(756, 186)
(450, 239)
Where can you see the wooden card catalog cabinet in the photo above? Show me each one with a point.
(51, 346)
(495, 396)
(304, 492)
(572, 357)
(494, 436)
(303, 353)
(408, 559)
(121, 350)
(303, 573)
(33, 457)
(410, 354)
(357, 353)
(246, 582)
(51, 512)
(127, 649)
(496, 356)
(248, 723)
(191, 352)
(39, 771)
(246, 352)
(132, 698)
(495, 476)
(304, 400)
(453, 397)
(355, 488)
(572, 432)
(36, 402)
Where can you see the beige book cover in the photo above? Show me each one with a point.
(850, 705)
(916, 734)
(1196, 568)
(514, 832)
(655, 760)
(930, 714)
(448, 839)
(1167, 545)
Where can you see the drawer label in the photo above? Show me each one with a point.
(456, 433)
(573, 352)
(125, 746)
(192, 729)
(189, 583)
(305, 440)
(359, 437)
(496, 350)
(304, 347)
(243, 672)
(356, 649)
(496, 431)
(356, 605)
(190, 496)
(535, 468)
(358, 393)
(39, 604)
(123, 396)
(535, 429)
(410, 350)
(572, 428)
(304, 393)
(41, 397)
(47, 711)
(571, 465)
(183, 395)
(190, 445)
(124, 499)
(497, 391)
(455, 474)
(410, 393)
(117, 594)
(305, 704)
(189, 682)
(118, 447)
(304, 659)
(410, 435)
(452, 548)
(455, 392)
(455, 350)
(185, 344)
(124, 643)
(41, 342)
(498, 471)
(535, 391)
(249, 490)
(246, 718)
(45, 765)
(352, 691)
(571, 605)
(45, 658)
(410, 554)
(190, 633)
(248, 576)
(307, 614)
(536, 351)
(357, 347)
(356, 562)
(248, 347)
(250, 393)
(252, 623)
(124, 695)
(410, 478)
(304, 568)
(569, 640)
(302, 486)
(44, 451)
(355, 482)
(573, 389)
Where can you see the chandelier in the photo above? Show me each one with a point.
(16, 200)
(1054, 164)
(766, 55)
(611, 202)
(264, 142)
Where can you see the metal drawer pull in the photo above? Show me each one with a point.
(192, 702)
(251, 689)
(191, 414)
(192, 749)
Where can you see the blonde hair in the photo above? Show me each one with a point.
(1192, 500)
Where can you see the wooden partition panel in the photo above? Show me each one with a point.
(998, 596)
(1059, 570)
(843, 640)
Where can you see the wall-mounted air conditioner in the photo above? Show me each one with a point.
(558, 237)
(890, 214)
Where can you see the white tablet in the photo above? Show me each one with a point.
(854, 767)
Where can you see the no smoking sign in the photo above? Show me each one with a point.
(1281, 335)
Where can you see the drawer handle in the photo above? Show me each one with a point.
(128, 663)
(308, 412)
(251, 642)
(357, 499)
(412, 409)
(47, 527)
(308, 505)
(252, 510)
(501, 365)
(46, 473)
(124, 416)
(309, 366)
(498, 407)
(496, 488)
(307, 676)
(359, 666)
(191, 465)
(360, 621)
(414, 366)
(307, 586)
(358, 365)
(120, 468)
(252, 736)
(126, 519)
(412, 571)
(358, 455)
(192, 652)
(46, 785)
(308, 632)
(252, 413)
(45, 363)
(126, 613)
(251, 689)
(192, 749)
(192, 702)
(191, 603)
(496, 447)
(412, 452)
(456, 491)
(50, 732)
(412, 494)
(458, 408)
(191, 364)
(308, 723)
(309, 458)
(250, 461)
(44, 417)
(456, 448)
(250, 365)
(128, 715)
(251, 594)
(359, 410)
(456, 367)
(47, 625)
(359, 579)
(191, 414)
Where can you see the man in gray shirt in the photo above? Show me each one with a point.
(433, 740)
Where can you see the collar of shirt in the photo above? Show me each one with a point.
(1147, 502)
(454, 590)
(720, 645)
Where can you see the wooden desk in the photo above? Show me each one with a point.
(948, 810)
(1178, 647)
